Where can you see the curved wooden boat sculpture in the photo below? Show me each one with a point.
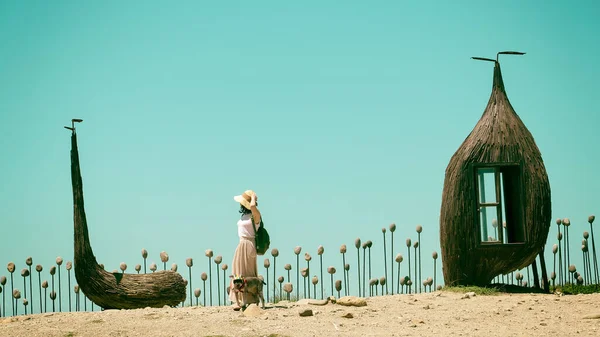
(485, 233)
(115, 290)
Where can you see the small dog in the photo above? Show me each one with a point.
(251, 287)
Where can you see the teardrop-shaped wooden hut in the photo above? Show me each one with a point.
(114, 290)
(495, 213)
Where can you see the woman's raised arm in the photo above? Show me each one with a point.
(254, 210)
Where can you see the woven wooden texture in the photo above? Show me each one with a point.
(115, 290)
(499, 137)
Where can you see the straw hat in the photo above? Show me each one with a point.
(245, 198)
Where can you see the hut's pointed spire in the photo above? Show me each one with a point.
(498, 83)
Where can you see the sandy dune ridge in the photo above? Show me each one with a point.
(439, 313)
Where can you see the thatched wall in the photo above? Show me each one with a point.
(499, 137)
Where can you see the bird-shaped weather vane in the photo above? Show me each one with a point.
(498, 55)
(73, 121)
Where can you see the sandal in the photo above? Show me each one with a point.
(236, 307)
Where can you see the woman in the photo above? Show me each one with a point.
(244, 259)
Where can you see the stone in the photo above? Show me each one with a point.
(593, 316)
(306, 301)
(469, 295)
(305, 312)
(348, 315)
(253, 310)
(352, 301)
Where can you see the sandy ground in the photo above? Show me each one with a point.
(429, 314)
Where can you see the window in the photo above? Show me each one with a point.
(499, 204)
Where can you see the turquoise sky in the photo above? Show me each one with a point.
(342, 116)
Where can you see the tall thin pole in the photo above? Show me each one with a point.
(189, 262)
(591, 219)
(554, 251)
(59, 263)
(307, 276)
(3, 298)
(332, 283)
(289, 281)
(364, 245)
(398, 281)
(266, 265)
(358, 270)
(560, 264)
(408, 243)
(29, 262)
(435, 256)
(144, 256)
(369, 247)
(274, 277)
(565, 250)
(52, 271)
(225, 287)
(585, 274)
(420, 277)
(347, 274)
(392, 230)
(416, 274)
(219, 284)
(588, 263)
(190, 271)
(298, 276)
(275, 253)
(69, 266)
(12, 286)
(204, 288)
(344, 270)
(321, 266)
(434, 270)
(357, 245)
(304, 271)
(383, 230)
(25, 289)
(567, 242)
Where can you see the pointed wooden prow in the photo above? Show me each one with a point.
(114, 290)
